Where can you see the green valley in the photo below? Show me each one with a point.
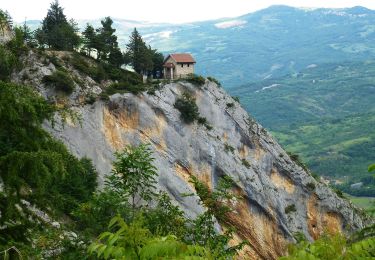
(325, 113)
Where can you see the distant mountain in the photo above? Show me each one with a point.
(326, 113)
(264, 44)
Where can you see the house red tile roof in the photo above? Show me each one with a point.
(182, 57)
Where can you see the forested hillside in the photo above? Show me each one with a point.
(325, 113)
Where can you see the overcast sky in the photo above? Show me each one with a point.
(171, 11)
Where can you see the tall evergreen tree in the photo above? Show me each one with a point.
(107, 38)
(158, 61)
(56, 32)
(138, 53)
(89, 39)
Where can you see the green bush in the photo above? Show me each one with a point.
(203, 121)
(237, 99)
(60, 80)
(8, 63)
(246, 163)
(187, 107)
(214, 80)
(230, 105)
(228, 148)
(291, 208)
(332, 246)
(34, 166)
(196, 79)
(310, 186)
(124, 87)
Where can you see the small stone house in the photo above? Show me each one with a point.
(178, 65)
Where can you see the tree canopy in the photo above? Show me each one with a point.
(57, 32)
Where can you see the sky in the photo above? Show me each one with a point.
(170, 11)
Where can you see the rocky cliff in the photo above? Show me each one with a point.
(280, 198)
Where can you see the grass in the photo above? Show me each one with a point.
(362, 202)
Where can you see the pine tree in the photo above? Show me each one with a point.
(138, 53)
(107, 38)
(56, 32)
(89, 39)
(28, 36)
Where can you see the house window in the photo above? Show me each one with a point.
(182, 65)
(188, 65)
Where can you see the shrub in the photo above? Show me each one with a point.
(339, 193)
(310, 186)
(228, 148)
(60, 80)
(245, 163)
(8, 63)
(196, 79)
(298, 161)
(237, 99)
(187, 107)
(124, 87)
(203, 121)
(230, 105)
(214, 80)
(291, 208)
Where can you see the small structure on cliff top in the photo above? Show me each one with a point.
(178, 65)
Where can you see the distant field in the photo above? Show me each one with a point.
(326, 114)
(362, 202)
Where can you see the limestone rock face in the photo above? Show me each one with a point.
(270, 181)
(280, 198)
(6, 34)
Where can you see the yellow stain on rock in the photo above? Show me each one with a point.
(201, 171)
(115, 123)
(282, 181)
(225, 137)
(319, 222)
(243, 151)
(261, 231)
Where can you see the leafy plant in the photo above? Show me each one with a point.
(133, 241)
(228, 148)
(217, 203)
(133, 174)
(290, 208)
(60, 80)
(214, 80)
(335, 247)
(246, 163)
(187, 107)
(310, 186)
(195, 79)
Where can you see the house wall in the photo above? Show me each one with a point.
(185, 70)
